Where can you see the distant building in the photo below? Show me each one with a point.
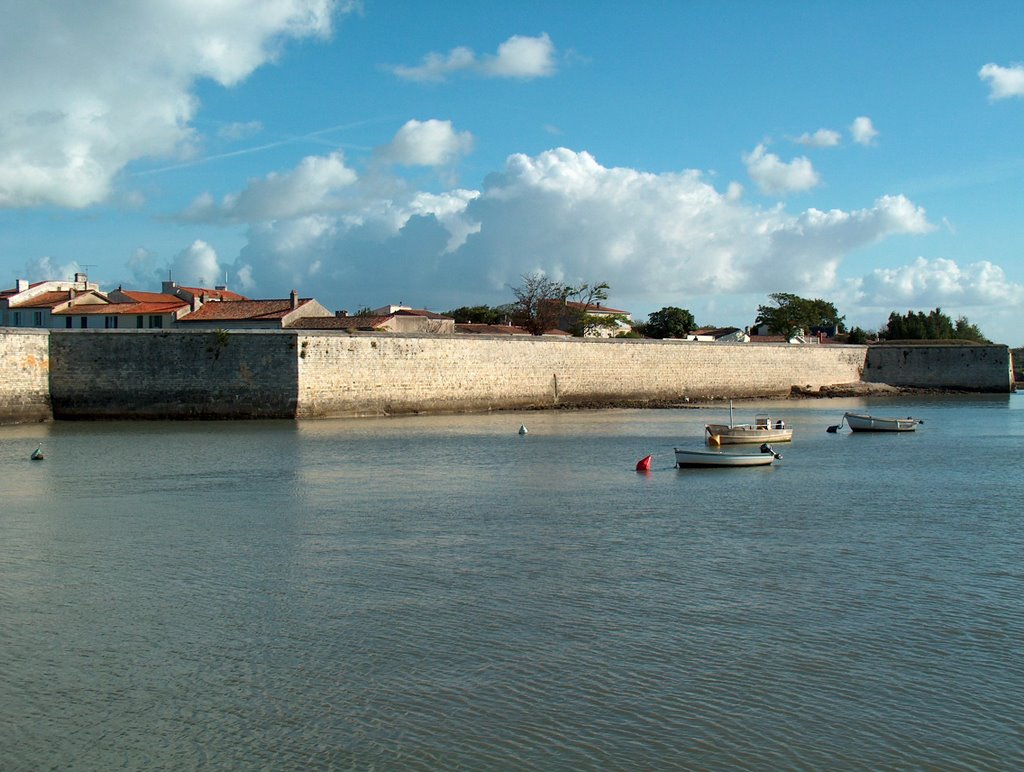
(572, 310)
(719, 335)
(122, 309)
(199, 294)
(250, 314)
(385, 319)
(32, 304)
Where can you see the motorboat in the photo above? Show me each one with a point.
(859, 422)
(764, 429)
(708, 458)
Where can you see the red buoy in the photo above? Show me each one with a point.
(644, 464)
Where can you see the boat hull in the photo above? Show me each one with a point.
(867, 423)
(745, 435)
(711, 458)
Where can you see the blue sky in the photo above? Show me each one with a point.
(692, 154)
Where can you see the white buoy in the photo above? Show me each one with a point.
(522, 429)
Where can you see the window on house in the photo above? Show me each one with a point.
(16, 319)
(84, 323)
(140, 322)
(69, 322)
(156, 321)
(37, 318)
(110, 322)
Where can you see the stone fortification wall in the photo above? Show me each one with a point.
(344, 375)
(972, 368)
(179, 374)
(306, 374)
(24, 376)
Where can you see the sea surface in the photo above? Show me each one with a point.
(441, 592)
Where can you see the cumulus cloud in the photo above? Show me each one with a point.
(1004, 82)
(70, 119)
(45, 268)
(145, 269)
(197, 265)
(820, 138)
(667, 235)
(520, 57)
(863, 131)
(926, 284)
(776, 177)
(310, 187)
(427, 143)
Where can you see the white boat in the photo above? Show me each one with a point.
(764, 429)
(869, 423)
(699, 458)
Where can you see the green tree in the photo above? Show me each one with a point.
(792, 313)
(539, 303)
(542, 304)
(669, 322)
(579, 304)
(857, 336)
(480, 314)
(967, 331)
(935, 325)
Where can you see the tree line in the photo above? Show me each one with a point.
(541, 304)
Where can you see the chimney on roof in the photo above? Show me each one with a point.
(81, 277)
(21, 285)
(341, 314)
(295, 299)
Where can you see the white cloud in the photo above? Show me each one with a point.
(427, 143)
(820, 138)
(863, 131)
(522, 57)
(197, 265)
(776, 177)
(145, 269)
(650, 236)
(70, 119)
(45, 268)
(1004, 82)
(927, 284)
(519, 57)
(310, 187)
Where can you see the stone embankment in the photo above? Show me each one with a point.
(94, 374)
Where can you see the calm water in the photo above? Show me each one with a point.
(440, 592)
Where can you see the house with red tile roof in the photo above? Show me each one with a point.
(32, 304)
(251, 314)
(200, 294)
(124, 309)
(573, 310)
(382, 320)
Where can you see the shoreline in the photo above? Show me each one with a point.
(837, 391)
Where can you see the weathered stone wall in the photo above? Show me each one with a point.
(287, 373)
(24, 376)
(342, 375)
(972, 368)
(172, 374)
